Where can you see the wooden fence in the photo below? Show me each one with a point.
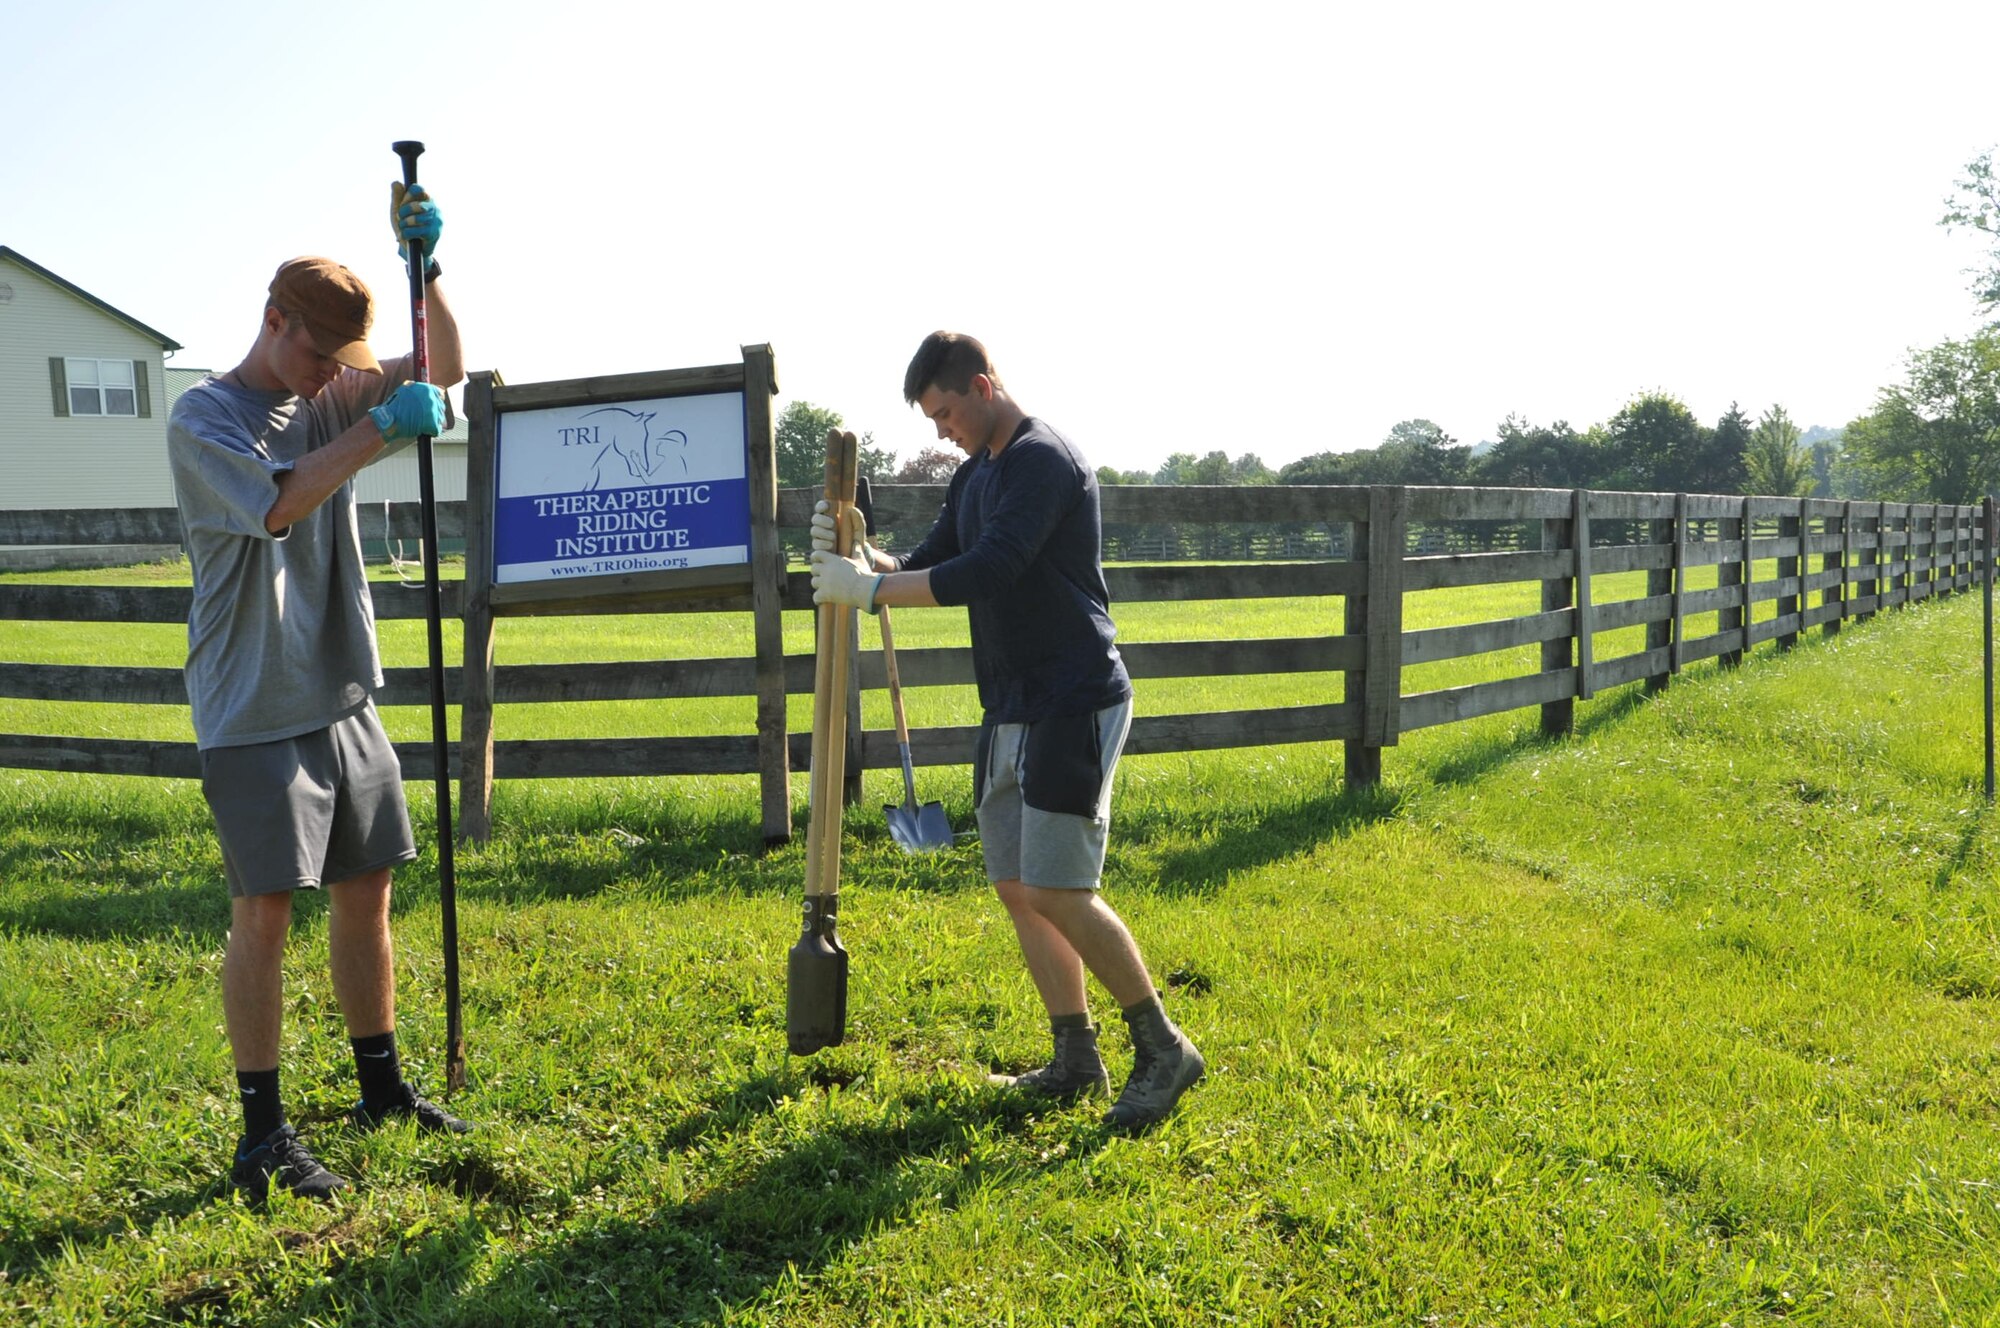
(1834, 561)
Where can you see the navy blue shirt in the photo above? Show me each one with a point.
(1018, 543)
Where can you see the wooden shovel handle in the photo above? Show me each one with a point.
(895, 678)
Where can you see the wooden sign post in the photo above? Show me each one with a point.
(620, 495)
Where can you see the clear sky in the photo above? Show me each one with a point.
(1255, 227)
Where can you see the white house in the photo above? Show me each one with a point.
(84, 396)
(83, 415)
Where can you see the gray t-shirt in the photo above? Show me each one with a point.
(281, 636)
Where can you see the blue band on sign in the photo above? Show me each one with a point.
(612, 523)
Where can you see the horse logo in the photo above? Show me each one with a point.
(634, 454)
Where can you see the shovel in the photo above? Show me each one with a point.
(816, 972)
(917, 829)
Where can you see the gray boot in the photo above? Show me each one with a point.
(1164, 1065)
(1075, 1071)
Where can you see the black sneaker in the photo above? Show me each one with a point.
(411, 1106)
(1157, 1082)
(283, 1155)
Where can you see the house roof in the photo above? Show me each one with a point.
(166, 342)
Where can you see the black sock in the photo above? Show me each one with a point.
(381, 1070)
(1061, 1021)
(263, 1110)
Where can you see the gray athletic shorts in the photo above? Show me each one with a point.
(300, 812)
(1044, 792)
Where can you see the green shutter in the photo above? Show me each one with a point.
(59, 381)
(139, 385)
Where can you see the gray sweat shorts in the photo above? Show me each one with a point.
(1044, 794)
(303, 812)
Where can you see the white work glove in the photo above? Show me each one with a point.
(824, 530)
(838, 580)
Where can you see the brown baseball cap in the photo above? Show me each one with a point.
(335, 305)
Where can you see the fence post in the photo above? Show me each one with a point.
(1586, 615)
(1734, 617)
(1844, 560)
(1958, 558)
(1379, 620)
(1679, 581)
(1893, 570)
(1984, 543)
(767, 592)
(1931, 553)
(1559, 535)
(1659, 582)
(475, 694)
(1871, 564)
(1791, 570)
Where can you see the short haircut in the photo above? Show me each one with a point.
(947, 361)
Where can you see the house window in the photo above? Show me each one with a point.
(101, 387)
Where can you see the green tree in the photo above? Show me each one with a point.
(1414, 452)
(1828, 464)
(931, 465)
(1975, 202)
(1250, 469)
(1321, 468)
(1656, 445)
(1531, 457)
(1717, 464)
(1113, 475)
(1775, 463)
(1935, 437)
(802, 430)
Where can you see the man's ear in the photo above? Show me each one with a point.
(984, 386)
(274, 320)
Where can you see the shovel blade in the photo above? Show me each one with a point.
(816, 984)
(922, 829)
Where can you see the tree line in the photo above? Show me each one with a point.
(1933, 436)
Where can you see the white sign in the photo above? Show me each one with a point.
(634, 486)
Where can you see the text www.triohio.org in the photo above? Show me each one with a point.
(617, 565)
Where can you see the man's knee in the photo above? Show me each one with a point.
(1050, 902)
(361, 897)
(261, 919)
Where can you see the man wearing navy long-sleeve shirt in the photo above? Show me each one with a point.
(1019, 544)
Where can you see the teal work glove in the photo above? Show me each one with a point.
(415, 409)
(838, 580)
(413, 216)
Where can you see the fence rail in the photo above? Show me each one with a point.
(1835, 561)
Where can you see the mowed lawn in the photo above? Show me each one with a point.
(1687, 1019)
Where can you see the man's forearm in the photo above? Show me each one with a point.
(447, 362)
(314, 476)
(905, 589)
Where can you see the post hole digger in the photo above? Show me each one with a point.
(409, 151)
(816, 977)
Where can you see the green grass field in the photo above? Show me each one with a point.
(1688, 1019)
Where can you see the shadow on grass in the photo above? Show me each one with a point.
(96, 868)
(1243, 837)
(26, 1251)
(1246, 837)
(1975, 826)
(709, 1258)
(1482, 757)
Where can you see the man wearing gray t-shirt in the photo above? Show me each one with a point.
(303, 783)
